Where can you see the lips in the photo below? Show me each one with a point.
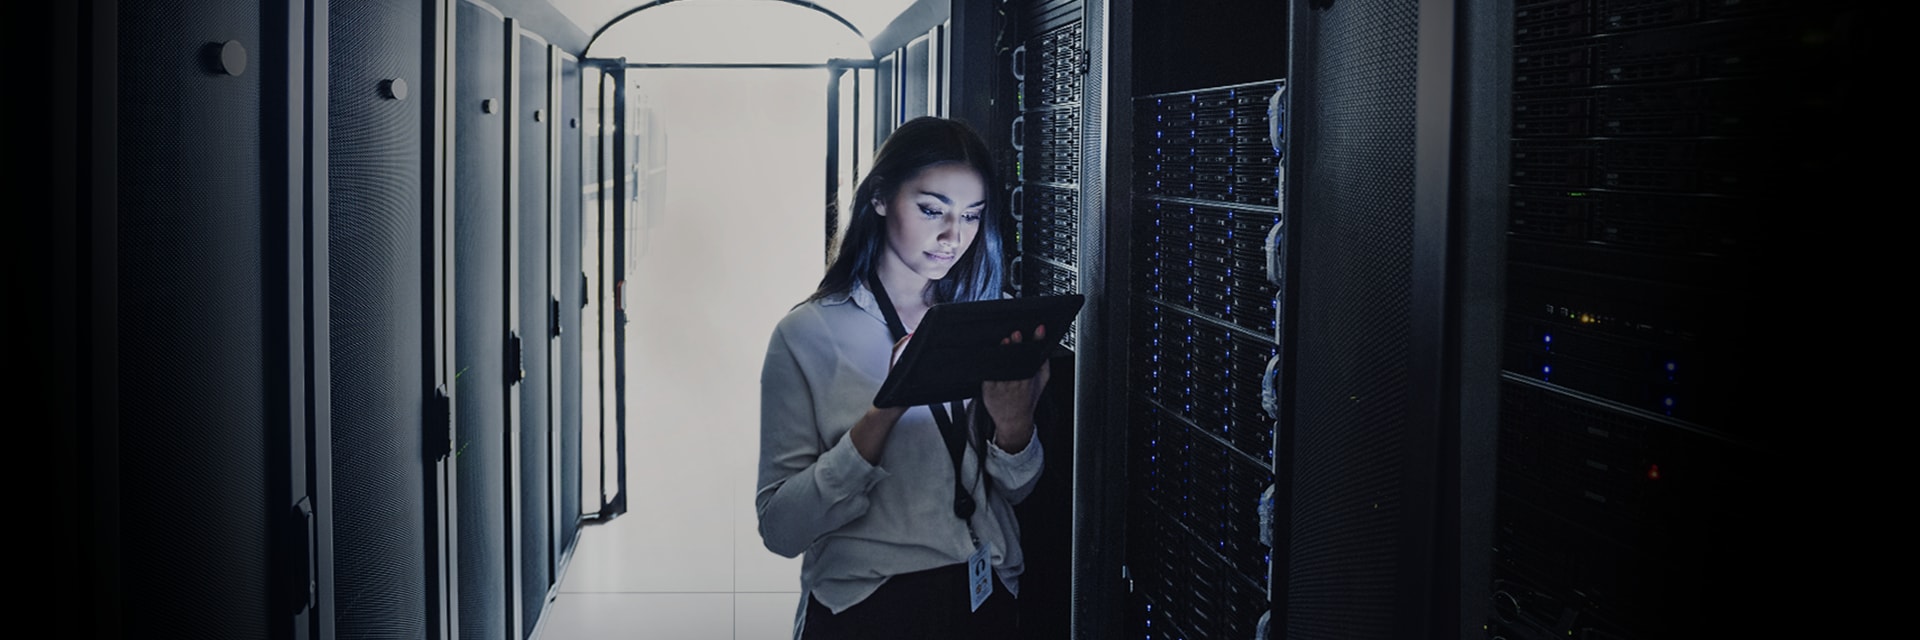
(941, 257)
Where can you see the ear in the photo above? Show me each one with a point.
(879, 207)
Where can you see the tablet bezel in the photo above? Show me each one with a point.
(927, 371)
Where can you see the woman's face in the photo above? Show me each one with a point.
(933, 217)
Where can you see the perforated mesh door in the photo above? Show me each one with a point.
(914, 78)
(376, 324)
(572, 288)
(480, 332)
(1353, 152)
(886, 99)
(194, 376)
(535, 326)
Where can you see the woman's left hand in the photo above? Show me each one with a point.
(1012, 402)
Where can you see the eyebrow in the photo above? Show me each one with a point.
(949, 201)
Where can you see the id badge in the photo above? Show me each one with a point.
(980, 574)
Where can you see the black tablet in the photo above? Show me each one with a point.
(957, 346)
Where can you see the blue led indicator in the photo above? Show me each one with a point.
(1546, 369)
(1548, 338)
(1671, 365)
(1668, 401)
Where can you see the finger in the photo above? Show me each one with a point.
(1040, 332)
(1016, 336)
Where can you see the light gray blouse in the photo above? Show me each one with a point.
(859, 523)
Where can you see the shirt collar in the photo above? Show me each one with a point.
(861, 297)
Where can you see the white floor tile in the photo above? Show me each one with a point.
(660, 550)
(641, 616)
(764, 616)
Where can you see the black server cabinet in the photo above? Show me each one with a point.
(377, 319)
(1191, 147)
(915, 78)
(1044, 147)
(1044, 120)
(1203, 334)
(1037, 76)
(573, 294)
(989, 82)
(1350, 198)
(1656, 150)
(486, 351)
(1391, 264)
(886, 106)
(192, 255)
(530, 159)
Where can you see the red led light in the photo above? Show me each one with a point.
(1653, 472)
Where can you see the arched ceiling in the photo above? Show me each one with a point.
(729, 32)
(869, 16)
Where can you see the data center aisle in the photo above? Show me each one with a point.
(736, 244)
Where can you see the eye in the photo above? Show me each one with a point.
(931, 213)
(971, 216)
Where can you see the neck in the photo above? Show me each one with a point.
(906, 288)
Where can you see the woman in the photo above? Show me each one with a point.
(882, 501)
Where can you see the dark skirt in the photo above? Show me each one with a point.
(923, 605)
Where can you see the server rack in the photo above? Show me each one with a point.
(195, 384)
(530, 116)
(383, 232)
(1041, 119)
(269, 252)
(1204, 333)
(572, 288)
(1064, 95)
(1651, 142)
(1045, 144)
(1194, 161)
(486, 353)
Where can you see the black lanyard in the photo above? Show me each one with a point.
(955, 435)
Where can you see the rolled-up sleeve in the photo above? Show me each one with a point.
(807, 488)
(1015, 474)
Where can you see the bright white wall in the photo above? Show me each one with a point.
(737, 243)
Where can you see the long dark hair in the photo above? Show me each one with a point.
(914, 146)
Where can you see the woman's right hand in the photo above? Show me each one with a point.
(869, 435)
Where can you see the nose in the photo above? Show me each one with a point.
(949, 231)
